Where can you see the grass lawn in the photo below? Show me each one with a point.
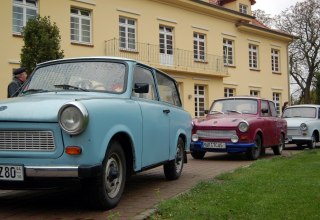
(278, 188)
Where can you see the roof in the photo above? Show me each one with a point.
(222, 2)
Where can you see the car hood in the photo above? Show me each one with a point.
(222, 120)
(296, 122)
(37, 107)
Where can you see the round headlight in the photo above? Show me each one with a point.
(243, 126)
(303, 127)
(73, 118)
(195, 137)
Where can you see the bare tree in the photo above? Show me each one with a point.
(263, 17)
(303, 21)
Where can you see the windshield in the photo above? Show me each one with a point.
(79, 76)
(241, 106)
(301, 112)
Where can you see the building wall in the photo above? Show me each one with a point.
(186, 17)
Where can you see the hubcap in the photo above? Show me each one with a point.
(113, 175)
(179, 159)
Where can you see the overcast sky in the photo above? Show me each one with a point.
(274, 7)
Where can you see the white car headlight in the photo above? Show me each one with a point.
(243, 126)
(73, 118)
(303, 127)
(195, 137)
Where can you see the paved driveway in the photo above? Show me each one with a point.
(142, 193)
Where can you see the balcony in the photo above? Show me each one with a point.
(178, 60)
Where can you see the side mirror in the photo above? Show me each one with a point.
(141, 88)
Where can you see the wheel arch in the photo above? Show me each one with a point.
(316, 132)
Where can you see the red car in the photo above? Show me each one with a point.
(239, 125)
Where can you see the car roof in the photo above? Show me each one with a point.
(304, 105)
(243, 97)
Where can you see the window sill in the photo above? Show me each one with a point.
(277, 73)
(255, 70)
(200, 61)
(128, 50)
(17, 35)
(82, 44)
(231, 66)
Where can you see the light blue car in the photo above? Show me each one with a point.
(93, 119)
(303, 125)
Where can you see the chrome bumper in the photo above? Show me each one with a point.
(58, 171)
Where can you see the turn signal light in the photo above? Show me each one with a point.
(73, 150)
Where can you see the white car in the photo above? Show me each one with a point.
(303, 125)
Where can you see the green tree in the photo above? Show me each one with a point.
(41, 43)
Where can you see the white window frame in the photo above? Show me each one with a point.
(243, 9)
(253, 56)
(128, 27)
(228, 52)
(229, 92)
(276, 97)
(199, 47)
(255, 93)
(81, 17)
(275, 60)
(166, 36)
(199, 93)
(17, 29)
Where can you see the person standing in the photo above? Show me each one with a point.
(15, 86)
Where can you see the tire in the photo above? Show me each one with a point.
(173, 169)
(198, 154)
(254, 152)
(312, 144)
(277, 150)
(106, 190)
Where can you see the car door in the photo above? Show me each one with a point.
(276, 124)
(267, 126)
(155, 120)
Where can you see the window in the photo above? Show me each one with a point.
(199, 49)
(277, 99)
(168, 90)
(229, 92)
(22, 11)
(265, 108)
(199, 99)
(166, 40)
(243, 9)
(143, 75)
(228, 52)
(80, 25)
(275, 60)
(127, 33)
(253, 56)
(255, 93)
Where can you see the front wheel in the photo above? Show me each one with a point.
(106, 190)
(198, 154)
(254, 152)
(312, 143)
(173, 169)
(277, 150)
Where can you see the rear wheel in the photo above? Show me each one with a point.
(106, 190)
(312, 143)
(277, 150)
(198, 154)
(173, 169)
(254, 152)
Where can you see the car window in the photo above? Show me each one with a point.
(300, 112)
(318, 113)
(273, 109)
(167, 89)
(143, 75)
(265, 108)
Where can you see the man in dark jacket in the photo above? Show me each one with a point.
(20, 76)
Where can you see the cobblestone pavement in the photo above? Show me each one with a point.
(143, 191)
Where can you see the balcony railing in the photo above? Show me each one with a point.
(178, 59)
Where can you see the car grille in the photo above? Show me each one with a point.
(27, 141)
(293, 131)
(219, 134)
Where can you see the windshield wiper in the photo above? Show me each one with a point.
(34, 91)
(234, 111)
(66, 86)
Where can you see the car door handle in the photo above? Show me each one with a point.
(167, 111)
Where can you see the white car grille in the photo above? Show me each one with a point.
(27, 141)
(218, 134)
(293, 131)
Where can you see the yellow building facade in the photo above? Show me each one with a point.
(212, 48)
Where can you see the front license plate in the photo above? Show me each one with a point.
(13, 173)
(214, 145)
